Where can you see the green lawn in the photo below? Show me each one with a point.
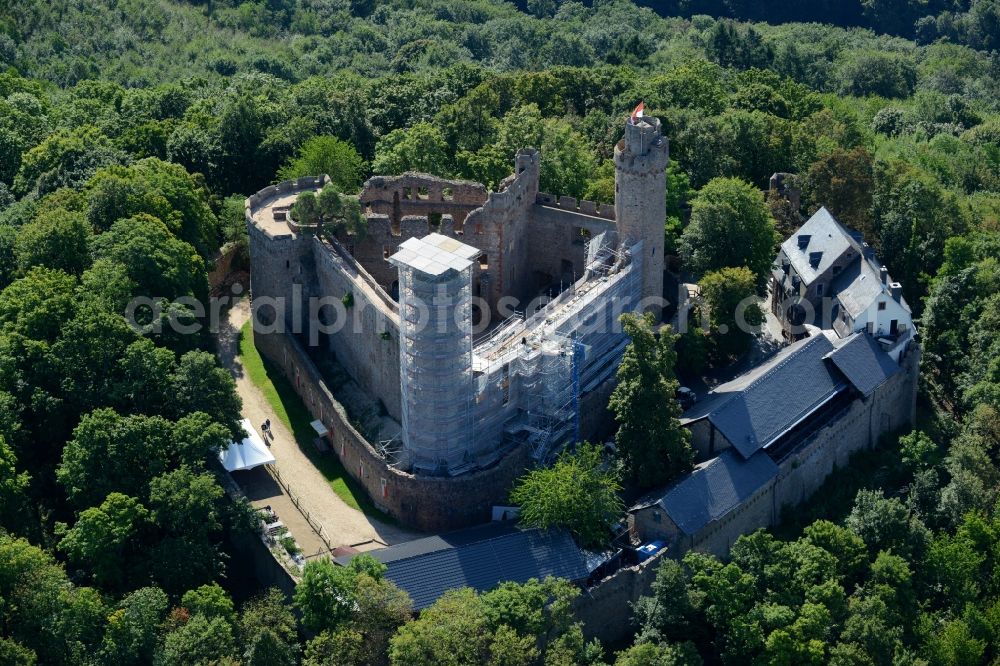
(289, 408)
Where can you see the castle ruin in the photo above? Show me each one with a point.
(484, 324)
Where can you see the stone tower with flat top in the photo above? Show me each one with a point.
(641, 197)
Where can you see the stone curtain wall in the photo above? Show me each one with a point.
(281, 266)
(422, 502)
(583, 206)
(254, 201)
(606, 608)
(557, 241)
(367, 346)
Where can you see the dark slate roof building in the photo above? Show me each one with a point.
(481, 558)
(774, 406)
(715, 489)
(826, 275)
(755, 433)
(817, 245)
(772, 435)
(781, 393)
(861, 359)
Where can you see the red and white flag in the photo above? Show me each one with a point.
(638, 111)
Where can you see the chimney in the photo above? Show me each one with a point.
(883, 274)
(896, 290)
(803, 241)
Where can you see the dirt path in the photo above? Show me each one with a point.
(341, 524)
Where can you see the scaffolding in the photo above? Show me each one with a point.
(466, 403)
(549, 417)
(435, 346)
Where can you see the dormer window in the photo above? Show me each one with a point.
(804, 241)
(815, 258)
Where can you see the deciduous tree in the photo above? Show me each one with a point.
(421, 148)
(578, 492)
(731, 297)
(326, 155)
(266, 631)
(730, 227)
(57, 239)
(108, 540)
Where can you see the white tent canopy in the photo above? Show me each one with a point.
(250, 453)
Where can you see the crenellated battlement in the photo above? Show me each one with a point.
(267, 210)
(583, 206)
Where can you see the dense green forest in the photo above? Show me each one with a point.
(131, 130)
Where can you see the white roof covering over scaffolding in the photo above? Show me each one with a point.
(435, 254)
(466, 401)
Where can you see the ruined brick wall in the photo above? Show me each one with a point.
(422, 502)
(383, 238)
(414, 205)
(498, 228)
(558, 234)
(421, 195)
(222, 265)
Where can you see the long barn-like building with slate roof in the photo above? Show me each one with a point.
(479, 557)
(769, 438)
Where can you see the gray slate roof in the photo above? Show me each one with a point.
(857, 286)
(480, 558)
(864, 363)
(754, 409)
(826, 235)
(713, 490)
(783, 390)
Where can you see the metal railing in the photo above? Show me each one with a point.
(317, 528)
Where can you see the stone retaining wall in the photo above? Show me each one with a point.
(423, 502)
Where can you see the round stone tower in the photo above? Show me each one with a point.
(435, 342)
(641, 197)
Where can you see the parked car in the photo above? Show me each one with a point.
(686, 397)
